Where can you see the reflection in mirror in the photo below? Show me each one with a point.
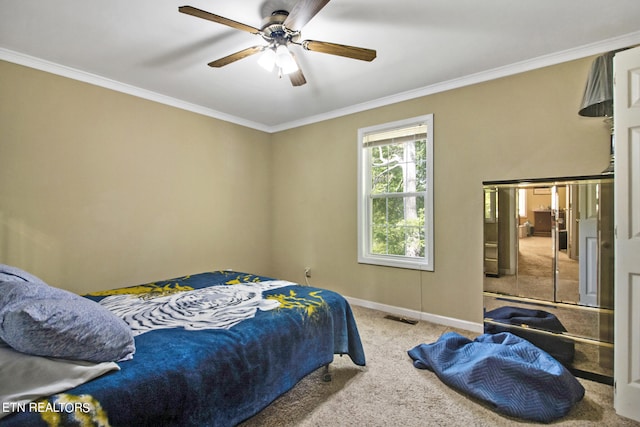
(548, 247)
(535, 243)
(491, 232)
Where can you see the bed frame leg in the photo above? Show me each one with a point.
(326, 377)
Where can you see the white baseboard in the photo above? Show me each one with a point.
(414, 314)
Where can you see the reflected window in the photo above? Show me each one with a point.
(522, 202)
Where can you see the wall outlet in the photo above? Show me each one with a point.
(307, 272)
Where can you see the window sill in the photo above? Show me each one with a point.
(390, 261)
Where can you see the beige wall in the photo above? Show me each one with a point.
(522, 126)
(100, 189)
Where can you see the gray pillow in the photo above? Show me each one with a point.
(45, 321)
(9, 273)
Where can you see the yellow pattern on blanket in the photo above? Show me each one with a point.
(68, 409)
(309, 306)
(153, 290)
(148, 291)
(244, 278)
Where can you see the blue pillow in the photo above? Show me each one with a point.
(45, 321)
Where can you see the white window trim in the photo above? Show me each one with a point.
(364, 178)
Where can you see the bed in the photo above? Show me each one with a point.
(211, 349)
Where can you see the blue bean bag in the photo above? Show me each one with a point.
(503, 370)
(560, 348)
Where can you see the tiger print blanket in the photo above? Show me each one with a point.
(216, 307)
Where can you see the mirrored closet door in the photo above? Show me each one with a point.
(548, 267)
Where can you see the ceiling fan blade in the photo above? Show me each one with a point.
(190, 10)
(236, 56)
(340, 50)
(297, 77)
(302, 13)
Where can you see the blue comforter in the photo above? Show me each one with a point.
(507, 372)
(215, 377)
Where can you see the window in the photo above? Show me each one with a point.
(522, 202)
(395, 194)
(490, 204)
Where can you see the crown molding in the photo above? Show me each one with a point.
(94, 79)
(484, 76)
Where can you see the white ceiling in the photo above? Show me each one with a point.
(147, 48)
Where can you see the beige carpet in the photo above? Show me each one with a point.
(535, 274)
(389, 391)
(535, 256)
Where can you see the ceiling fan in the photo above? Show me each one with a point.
(280, 30)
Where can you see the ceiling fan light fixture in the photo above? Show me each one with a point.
(285, 61)
(268, 59)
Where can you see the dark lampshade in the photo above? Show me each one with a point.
(597, 100)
